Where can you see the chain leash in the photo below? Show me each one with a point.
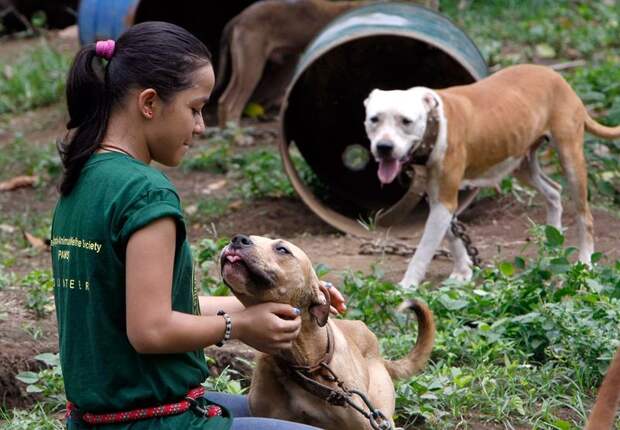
(459, 230)
(402, 249)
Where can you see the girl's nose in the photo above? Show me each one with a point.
(199, 126)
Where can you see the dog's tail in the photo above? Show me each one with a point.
(600, 130)
(418, 356)
(604, 410)
(224, 55)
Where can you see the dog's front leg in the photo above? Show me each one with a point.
(462, 270)
(435, 230)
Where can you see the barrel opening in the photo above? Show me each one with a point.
(325, 113)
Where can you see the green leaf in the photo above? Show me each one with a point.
(34, 389)
(506, 268)
(48, 358)
(519, 263)
(544, 50)
(254, 110)
(562, 425)
(452, 304)
(596, 257)
(27, 377)
(554, 238)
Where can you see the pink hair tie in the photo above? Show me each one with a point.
(105, 49)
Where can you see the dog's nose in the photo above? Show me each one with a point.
(241, 241)
(385, 148)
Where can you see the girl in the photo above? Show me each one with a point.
(131, 326)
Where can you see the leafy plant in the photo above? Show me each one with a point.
(47, 382)
(40, 285)
(524, 342)
(36, 79)
(207, 254)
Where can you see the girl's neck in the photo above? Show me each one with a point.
(123, 136)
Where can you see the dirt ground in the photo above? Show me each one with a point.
(499, 228)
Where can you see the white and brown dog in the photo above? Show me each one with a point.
(483, 132)
(295, 385)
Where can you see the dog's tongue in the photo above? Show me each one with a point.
(388, 170)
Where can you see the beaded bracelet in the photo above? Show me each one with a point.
(228, 327)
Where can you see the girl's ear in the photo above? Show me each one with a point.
(146, 102)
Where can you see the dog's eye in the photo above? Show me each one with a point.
(406, 121)
(374, 119)
(282, 250)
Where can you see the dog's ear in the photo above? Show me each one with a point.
(320, 309)
(369, 96)
(429, 101)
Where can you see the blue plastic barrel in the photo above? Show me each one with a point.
(104, 19)
(386, 46)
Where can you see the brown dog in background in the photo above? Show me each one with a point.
(257, 270)
(604, 410)
(270, 30)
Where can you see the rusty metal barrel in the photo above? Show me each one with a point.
(386, 46)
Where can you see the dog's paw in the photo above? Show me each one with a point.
(408, 285)
(462, 275)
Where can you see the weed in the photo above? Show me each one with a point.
(207, 253)
(47, 382)
(36, 79)
(20, 157)
(40, 285)
(37, 418)
(525, 341)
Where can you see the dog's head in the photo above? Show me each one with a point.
(395, 124)
(258, 269)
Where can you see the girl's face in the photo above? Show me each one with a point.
(172, 129)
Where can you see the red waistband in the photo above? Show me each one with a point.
(144, 413)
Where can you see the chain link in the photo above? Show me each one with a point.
(458, 229)
(393, 247)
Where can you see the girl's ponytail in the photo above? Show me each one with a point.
(88, 102)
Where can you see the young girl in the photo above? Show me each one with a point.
(131, 326)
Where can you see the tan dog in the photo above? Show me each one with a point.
(604, 410)
(270, 30)
(259, 269)
(483, 132)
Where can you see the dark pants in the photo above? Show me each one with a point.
(243, 420)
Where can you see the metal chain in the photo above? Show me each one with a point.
(393, 247)
(377, 419)
(458, 229)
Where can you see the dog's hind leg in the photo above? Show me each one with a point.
(248, 57)
(532, 175)
(570, 149)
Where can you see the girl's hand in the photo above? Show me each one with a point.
(268, 327)
(337, 299)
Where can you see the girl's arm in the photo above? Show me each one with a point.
(152, 325)
(209, 305)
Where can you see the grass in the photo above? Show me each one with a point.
(21, 157)
(35, 79)
(525, 344)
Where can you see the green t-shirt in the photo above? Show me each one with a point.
(113, 198)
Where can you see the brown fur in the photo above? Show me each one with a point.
(604, 410)
(269, 30)
(356, 360)
(506, 115)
